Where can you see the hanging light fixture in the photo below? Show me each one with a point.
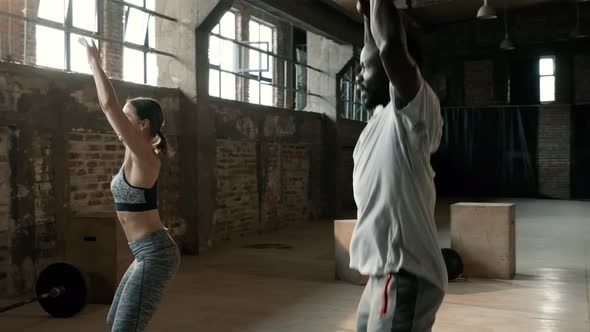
(576, 31)
(486, 12)
(506, 44)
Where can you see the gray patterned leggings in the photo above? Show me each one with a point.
(141, 288)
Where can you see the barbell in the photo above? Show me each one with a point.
(61, 289)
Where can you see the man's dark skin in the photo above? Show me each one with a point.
(385, 58)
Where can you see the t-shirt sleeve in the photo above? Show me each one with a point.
(422, 115)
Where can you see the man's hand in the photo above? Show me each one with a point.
(363, 7)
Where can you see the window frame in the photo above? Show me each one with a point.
(218, 67)
(146, 46)
(241, 59)
(68, 29)
(259, 77)
(554, 75)
(347, 76)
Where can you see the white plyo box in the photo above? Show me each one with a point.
(484, 235)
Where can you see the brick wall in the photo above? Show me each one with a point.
(169, 194)
(113, 28)
(553, 151)
(4, 207)
(285, 175)
(582, 78)
(237, 193)
(268, 168)
(11, 90)
(260, 189)
(44, 196)
(93, 159)
(12, 32)
(478, 82)
(270, 185)
(43, 173)
(294, 207)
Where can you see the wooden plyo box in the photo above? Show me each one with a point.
(98, 246)
(343, 230)
(484, 235)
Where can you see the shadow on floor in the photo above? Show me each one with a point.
(477, 286)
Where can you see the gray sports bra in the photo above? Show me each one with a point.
(130, 198)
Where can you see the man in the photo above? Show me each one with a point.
(395, 240)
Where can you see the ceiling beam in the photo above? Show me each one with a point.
(344, 9)
(314, 16)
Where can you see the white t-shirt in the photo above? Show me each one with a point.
(394, 191)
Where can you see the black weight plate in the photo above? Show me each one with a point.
(73, 299)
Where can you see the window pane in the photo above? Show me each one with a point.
(266, 93)
(228, 25)
(547, 88)
(54, 10)
(84, 14)
(256, 60)
(222, 53)
(150, 4)
(132, 65)
(266, 35)
(254, 31)
(228, 86)
(213, 82)
(253, 92)
(227, 55)
(350, 111)
(214, 50)
(266, 64)
(546, 66)
(135, 2)
(215, 29)
(78, 58)
(152, 32)
(152, 69)
(267, 73)
(50, 47)
(137, 23)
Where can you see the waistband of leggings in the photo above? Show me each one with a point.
(161, 235)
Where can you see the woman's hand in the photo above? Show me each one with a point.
(91, 51)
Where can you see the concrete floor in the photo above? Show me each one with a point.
(238, 289)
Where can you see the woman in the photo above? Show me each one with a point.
(138, 125)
